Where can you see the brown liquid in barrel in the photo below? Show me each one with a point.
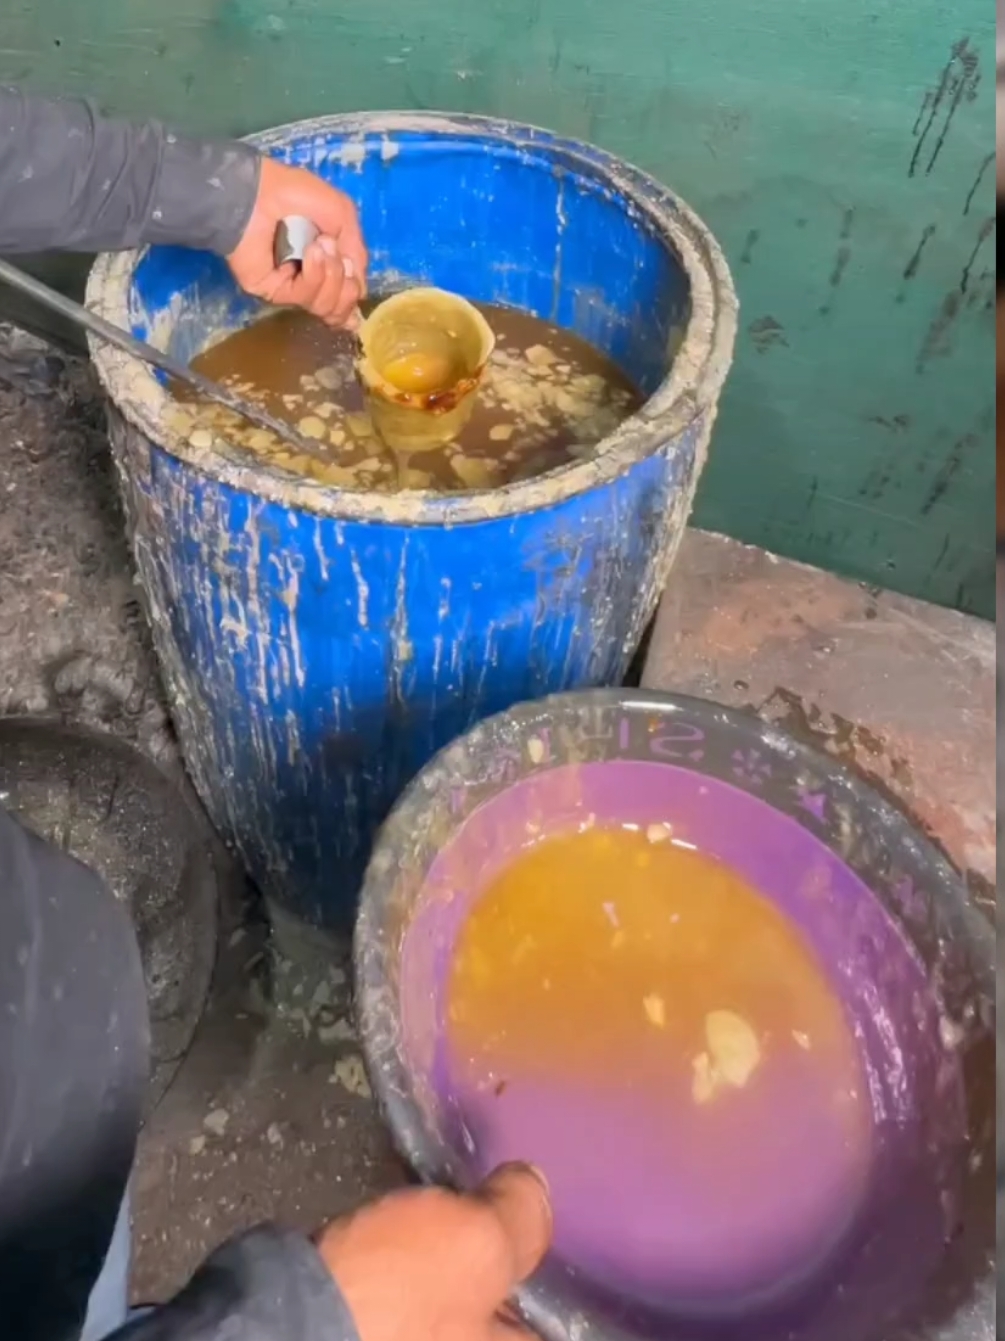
(548, 398)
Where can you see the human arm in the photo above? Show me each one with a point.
(73, 180)
(419, 1265)
(266, 1285)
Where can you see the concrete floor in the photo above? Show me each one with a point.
(269, 1115)
(901, 691)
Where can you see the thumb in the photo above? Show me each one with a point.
(517, 1195)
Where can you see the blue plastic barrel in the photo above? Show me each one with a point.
(320, 645)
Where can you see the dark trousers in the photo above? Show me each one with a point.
(74, 1051)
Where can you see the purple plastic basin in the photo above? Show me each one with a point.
(898, 1243)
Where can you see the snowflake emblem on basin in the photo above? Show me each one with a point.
(751, 767)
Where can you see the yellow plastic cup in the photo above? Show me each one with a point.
(422, 356)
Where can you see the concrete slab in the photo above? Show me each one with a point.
(902, 691)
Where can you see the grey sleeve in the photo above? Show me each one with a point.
(72, 180)
(268, 1285)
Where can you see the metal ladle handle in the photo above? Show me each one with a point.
(293, 236)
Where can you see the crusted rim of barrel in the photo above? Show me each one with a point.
(690, 388)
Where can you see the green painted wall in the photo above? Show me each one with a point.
(842, 153)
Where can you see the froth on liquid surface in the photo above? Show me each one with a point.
(547, 398)
(633, 1017)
